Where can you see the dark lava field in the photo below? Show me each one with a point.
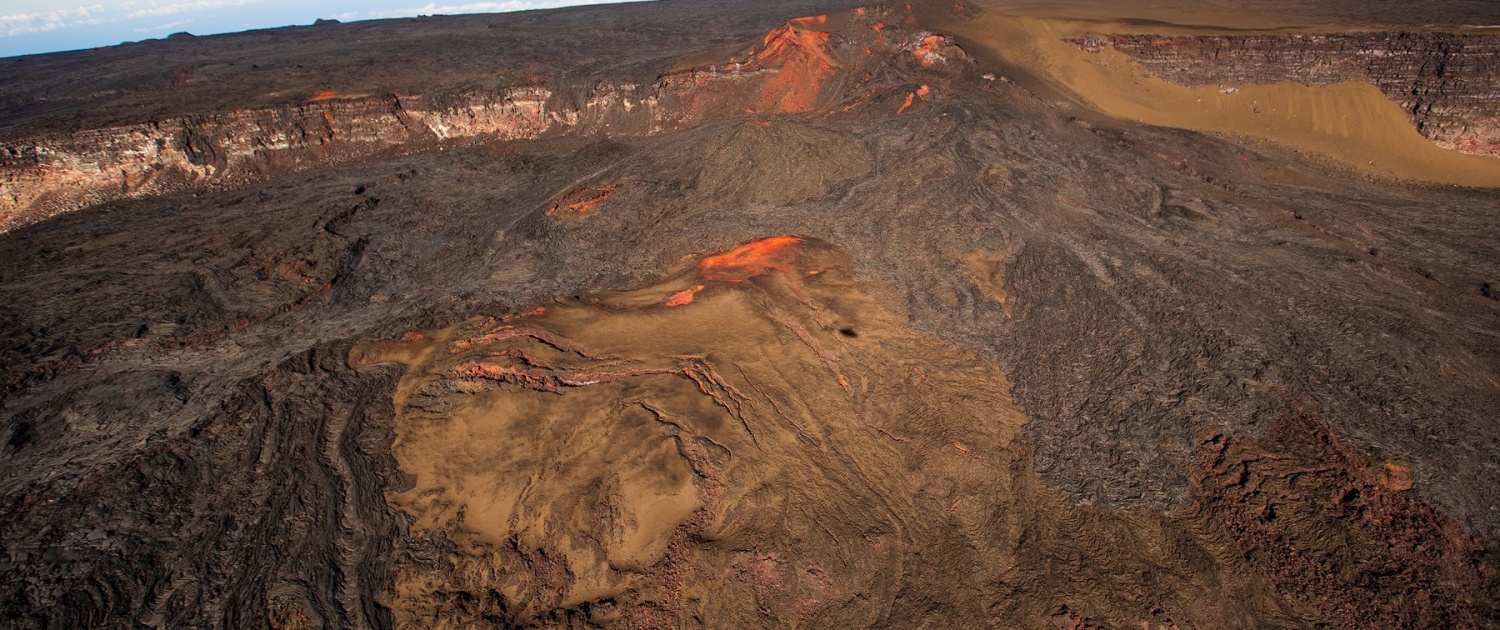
(715, 314)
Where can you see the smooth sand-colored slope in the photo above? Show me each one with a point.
(1351, 124)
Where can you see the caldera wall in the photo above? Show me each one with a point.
(1448, 83)
(807, 62)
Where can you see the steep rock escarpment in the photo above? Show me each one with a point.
(1448, 83)
(46, 176)
(795, 68)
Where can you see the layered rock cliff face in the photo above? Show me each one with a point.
(1445, 81)
(1449, 83)
(788, 72)
(49, 175)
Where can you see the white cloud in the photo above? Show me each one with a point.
(163, 27)
(55, 19)
(156, 9)
(111, 21)
(433, 8)
(43, 21)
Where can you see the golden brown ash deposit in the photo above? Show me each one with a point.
(776, 450)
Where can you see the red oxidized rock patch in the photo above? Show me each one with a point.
(1396, 477)
(911, 98)
(579, 200)
(777, 253)
(683, 297)
(934, 48)
(1302, 507)
(806, 65)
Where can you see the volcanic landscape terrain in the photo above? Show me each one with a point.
(793, 313)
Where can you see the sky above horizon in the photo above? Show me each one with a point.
(39, 26)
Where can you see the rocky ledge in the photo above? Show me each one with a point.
(1448, 83)
(805, 63)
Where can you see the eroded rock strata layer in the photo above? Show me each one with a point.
(858, 338)
(1448, 83)
(788, 72)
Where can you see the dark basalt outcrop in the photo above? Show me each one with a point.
(844, 333)
(1448, 83)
